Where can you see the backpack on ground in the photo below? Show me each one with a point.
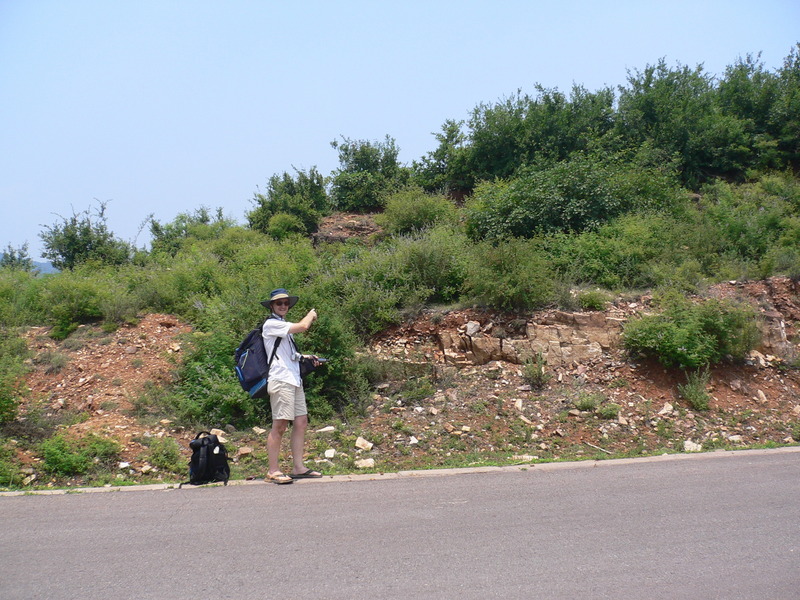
(252, 366)
(209, 461)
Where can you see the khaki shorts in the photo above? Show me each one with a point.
(287, 401)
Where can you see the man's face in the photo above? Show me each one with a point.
(280, 307)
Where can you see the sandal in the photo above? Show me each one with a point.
(279, 478)
(310, 474)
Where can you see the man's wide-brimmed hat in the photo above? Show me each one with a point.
(279, 294)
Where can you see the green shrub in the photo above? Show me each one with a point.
(694, 335)
(71, 298)
(433, 262)
(413, 209)
(165, 454)
(694, 390)
(417, 388)
(13, 352)
(20, 294)
(571, 196)
(511, 275)
(282, 225)
(534, 371)
(593, 300)
(586, 402)
(609, 411)
(10, 475)
(67, 456)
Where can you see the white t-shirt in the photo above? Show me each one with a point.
(284, 367)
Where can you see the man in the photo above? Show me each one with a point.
(285, 388)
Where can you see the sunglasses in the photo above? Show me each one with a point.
(280, 302)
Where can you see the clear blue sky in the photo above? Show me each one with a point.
(163, 106)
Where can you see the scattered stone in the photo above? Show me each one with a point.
(690, 446)
(330, 453)
(327, 429)
(668, 408)
(365, 463)
(124, 465)
(244, 451)
(524, 457)
(762, 397)
(363, 444)
(473, 328)
(435, 411)
(413, 441)
(259, 430)
(220, 435)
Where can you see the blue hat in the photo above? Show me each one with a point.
(278, 295)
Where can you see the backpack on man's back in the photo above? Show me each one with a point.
(252, 366)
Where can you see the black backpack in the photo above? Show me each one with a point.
(252, 366)
(209, 462)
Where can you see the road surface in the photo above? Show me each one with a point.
(720, 525)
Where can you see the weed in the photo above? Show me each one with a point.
(609, 411)
(534, 372)
(694, 391)
(67, 456)
(165, 453)
(592, 300)
(52, 360)
(417, 389)
(587, 402)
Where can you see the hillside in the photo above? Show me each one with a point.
(454, 393)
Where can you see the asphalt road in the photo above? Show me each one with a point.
(722, 525)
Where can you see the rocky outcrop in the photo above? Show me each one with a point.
(562, 338)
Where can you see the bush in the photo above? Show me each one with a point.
(10, 475)
(511, 275)
(593, 300)
(303, 196)
(282, 225)
(694, 335)
(434, 262)
(66, 456)
(165, 454)
(534, 371)
(13, 351)
(413, 209)
(71, 298)
(694, 391)
(572, 196)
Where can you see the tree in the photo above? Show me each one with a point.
(444, 170)
(368, 173)
(785, 118)
(83, 237)
(749, 93)
(302, 196)
(675, 110)
(170, 237)
(16, 259)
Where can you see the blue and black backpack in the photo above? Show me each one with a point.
(252, 366)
